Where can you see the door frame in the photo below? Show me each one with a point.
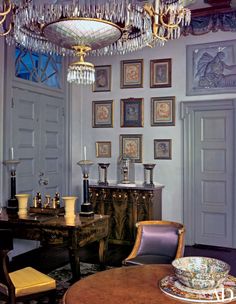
(187, 112)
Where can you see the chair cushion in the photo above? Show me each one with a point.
(28, 281)
(159, 239)
(148, 259)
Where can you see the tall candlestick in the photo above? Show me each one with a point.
(85, 153)
(11, 153)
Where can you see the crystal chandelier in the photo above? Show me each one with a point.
(94, 27)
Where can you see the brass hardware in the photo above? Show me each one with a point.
(7, 8)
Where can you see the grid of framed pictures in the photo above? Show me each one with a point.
(162, 109)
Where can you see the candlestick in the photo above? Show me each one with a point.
(12, 207)
(86, 206)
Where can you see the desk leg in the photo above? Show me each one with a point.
(103, 244)
(74, 256)
(74, 264)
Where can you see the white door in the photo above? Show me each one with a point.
(213, 177)
(38, 126)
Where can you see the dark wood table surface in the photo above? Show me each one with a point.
(125, 285)
(56, 230)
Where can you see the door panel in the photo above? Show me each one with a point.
(25, 139)
(213, 172)
(38, 140)
(51, 144)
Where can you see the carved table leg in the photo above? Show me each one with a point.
(102, 251)
(74, 256)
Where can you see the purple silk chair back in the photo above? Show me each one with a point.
(157, 242)
(159, 239)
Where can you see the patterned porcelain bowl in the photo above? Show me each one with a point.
(200, 272)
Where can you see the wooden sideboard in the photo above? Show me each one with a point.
(126, 206)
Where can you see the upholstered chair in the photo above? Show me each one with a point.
(23, 284)
(157, 242)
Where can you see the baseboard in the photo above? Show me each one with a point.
(215, 248)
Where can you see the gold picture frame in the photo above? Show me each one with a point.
(162, 149)
(102, 78)
(131, 112)
(131, 74)
(103, 149)
(160, 73)
(131, 146)
(163, 111)
(102, 114)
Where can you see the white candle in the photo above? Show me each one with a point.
(11, 153)
(85, 152)
(157, 4)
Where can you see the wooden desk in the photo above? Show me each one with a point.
(128, 285)
(57, 230)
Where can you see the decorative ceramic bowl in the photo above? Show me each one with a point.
(200, 272)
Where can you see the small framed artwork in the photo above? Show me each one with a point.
(131, 146)
(162, 148)
(131, 112)
(102, 78)
(160, 73)
(103, 149)
(131, 74)
(103, 114)
(163, 111)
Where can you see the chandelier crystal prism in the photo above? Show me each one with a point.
(90, 27)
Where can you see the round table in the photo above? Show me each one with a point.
(125, 285)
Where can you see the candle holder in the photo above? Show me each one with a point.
(12, 205)
(102, 171)
(86, 206)
(148, 174)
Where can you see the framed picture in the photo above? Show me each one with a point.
(160, 73)
(131, 112)
(131, 146)
(163, 111)
(211, 68)
(103, 149)
(103, 114)
(162, 148)
(131, 74)
(102, 78)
